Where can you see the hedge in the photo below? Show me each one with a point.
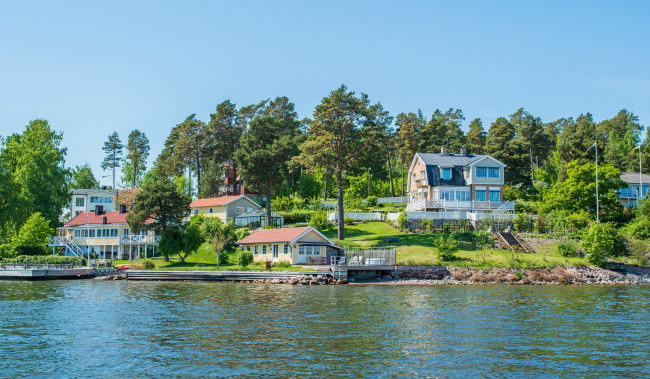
(297, 216)
(45, 259)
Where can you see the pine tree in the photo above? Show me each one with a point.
(136, 157)
(476, 137)
(113, 149)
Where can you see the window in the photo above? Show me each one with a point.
(256, 251)
(301, 250)
(79, 202)
(248, 248)
(210, 210)
(446, 194)
(480, 195)
(481, 172)
(239, 210)
(463, 195)
(493, 172)
(126, 231)
(196, 211)
(495, 196)
(286, 249)
(446, 174)
(263, 249)
(276, 250)
(113, 232)
(91, 233)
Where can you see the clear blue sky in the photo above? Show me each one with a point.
(93, 67)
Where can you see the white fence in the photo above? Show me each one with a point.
(491, 216)
(452, 216)
(333, 217)
(393, 200)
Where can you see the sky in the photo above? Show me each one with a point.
(91, 68)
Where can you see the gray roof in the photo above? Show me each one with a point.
(633, 177)
(259, 212)
(87, 191)
(449, 160)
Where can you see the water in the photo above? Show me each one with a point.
(173, 329)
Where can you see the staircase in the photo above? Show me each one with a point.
(512, 241)
(68, 244)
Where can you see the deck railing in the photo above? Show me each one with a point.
(380, 256)
(461, 205)
(136, 239)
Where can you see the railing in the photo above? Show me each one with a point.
(67, 243)
(333, 217)
(39, 266)
(464, 205)
(380, 256)
(421, 183)
(393, 200)
(139, 239)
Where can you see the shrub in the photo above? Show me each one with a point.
(520, 222)
(319, 220)
(639, 250)
(281, 203)
(566, 250)
(523, 206)
(601, 241)
(283, 264)
(148, 264)
(354, 205)
(244, 258)
(30, 250)
(427, 225)
(640, 227)
(46, 259)
(371, 201)
(446, 247)
(297, 216)
(402, 221)
(482, 239)
(347, 220)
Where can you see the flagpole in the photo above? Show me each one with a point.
(597, 210)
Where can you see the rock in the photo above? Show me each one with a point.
(294, 281)
(314, 283)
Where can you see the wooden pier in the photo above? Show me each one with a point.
(45, 273)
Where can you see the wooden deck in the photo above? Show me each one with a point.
(42, 274)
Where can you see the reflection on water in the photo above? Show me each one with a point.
(127, 329)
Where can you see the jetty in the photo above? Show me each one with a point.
(44, 272)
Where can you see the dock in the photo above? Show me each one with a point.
(45, 273)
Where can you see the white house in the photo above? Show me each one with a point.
(456, 183)
(87, 200)
(224, 207)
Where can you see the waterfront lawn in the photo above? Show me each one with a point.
(205, 259)
(419, 249)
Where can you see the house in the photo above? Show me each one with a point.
(303, 245)
(456, 183)
(224, 207)
(106, 234)
(257, 219)
(629, 196)
(85, 200)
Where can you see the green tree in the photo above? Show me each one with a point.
(82, 177)
(443, 129)
(409, 126)
(33, 236)
(34, 167)
(191, 147)
(503, 145)
(578, 192)
(576, 137)
(532, 138)
(224, 131)
(244, 258)
(601, 241)
(160, 202)
(380, 138)
(113, 148)
(221, 236)
(136, 158)
(263, 155)
(335, 139)
(320, 221)
(476, 137)
(192, 239)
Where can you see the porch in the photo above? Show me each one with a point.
(451, 205)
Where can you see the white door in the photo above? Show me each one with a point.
(276, 251)
(302, 257)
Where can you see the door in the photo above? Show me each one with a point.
(276, 251)
(302, 257)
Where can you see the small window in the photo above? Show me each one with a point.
(239, 209)
(493, 172)
(481, 172)
(263, 249)
(248, 248)
(125, 231)
(446, 174)
(495, 196)
(77, 213)
(210, 210)
(286, 249)
(256, 249)
(196, 211)
(480, 195)
(79, 202)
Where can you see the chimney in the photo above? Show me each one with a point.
(99, 210)
(122, 208)
(463, 150)
(443, 150)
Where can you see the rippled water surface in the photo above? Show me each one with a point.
(161, 329)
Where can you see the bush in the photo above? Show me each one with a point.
(281, 203)
(319, 221)
(520, 222)
(402, 221)
(523, 206)
(639, 250)
(244, 258)
(148, 264)
(427, 225)
(46, 259)
(347, 220)
(297, 216)
(446, 247)
(354, 205)
(283, 264)
(30, 250)
(371, 201)
(640, 227)
(482, 239)
(601, 241)
(566, 250)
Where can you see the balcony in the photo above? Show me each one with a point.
(421, 183)
(423, 205)
(139, 239)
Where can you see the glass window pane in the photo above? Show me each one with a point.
(480, 195)
(481, 172)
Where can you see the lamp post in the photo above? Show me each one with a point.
(640, 193)
(596, 150)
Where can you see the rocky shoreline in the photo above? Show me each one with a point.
(511, 276)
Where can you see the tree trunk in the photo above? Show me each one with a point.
(325, 186)
(390, 175)
(198, 176)
(286, 184)
(402, 177)
(235, 186)
(532, 168)
(268, 205)
(135, 171)
(114, 164)
(339, 200)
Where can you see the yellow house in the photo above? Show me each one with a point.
(303, 245)
(225, 207)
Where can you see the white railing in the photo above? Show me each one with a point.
(67, 243)
(378, 256)
(428, 216)
(139, 239)
(393, 200)
(461, 205)
(491, 216)
(333, 217)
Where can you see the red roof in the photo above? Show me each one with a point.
(274, 235)
(111, 218)
(213, 201)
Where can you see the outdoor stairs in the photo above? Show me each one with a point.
(512, 241)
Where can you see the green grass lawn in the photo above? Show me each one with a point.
(203, 260)
(419, 249)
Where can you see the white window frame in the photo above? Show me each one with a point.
(492, 170)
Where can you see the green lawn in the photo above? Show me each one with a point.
(419, 249)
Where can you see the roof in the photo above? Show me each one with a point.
(278, 235)
(82, 191)
(89, 218)
(258, 213)
(223, 200)
(633, 177)
(449, 160)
